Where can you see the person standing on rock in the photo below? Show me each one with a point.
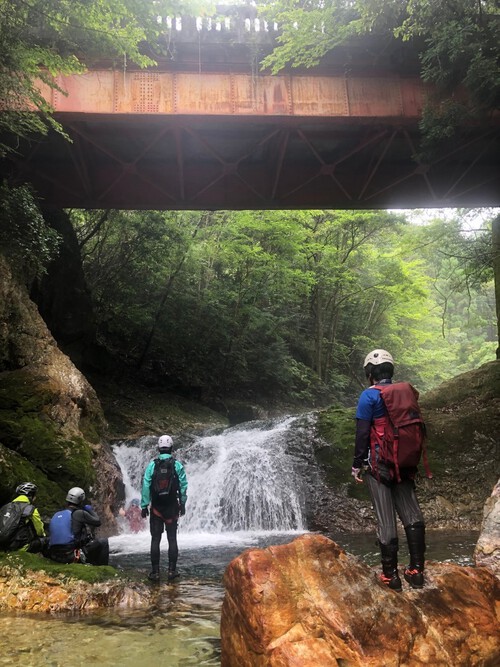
(164, 486)
(390, 479)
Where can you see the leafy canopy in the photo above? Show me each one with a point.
(286, 303)
(458, 42)
(42, 38)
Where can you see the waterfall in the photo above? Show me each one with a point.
(243, 479)
(132, 458)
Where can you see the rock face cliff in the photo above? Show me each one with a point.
(487, 551)
(52, 429)
(309, 603)
(463, 422)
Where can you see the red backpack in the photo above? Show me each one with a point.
(402, 444)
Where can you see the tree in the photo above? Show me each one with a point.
(42, 38)
(458, 42)
(285, 304)
(131, 260)
(25, 239)
(337, 246)
(496, 268)
(456, 259)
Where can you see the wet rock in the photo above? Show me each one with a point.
(38, 592)
(309, 603)
(487, 551)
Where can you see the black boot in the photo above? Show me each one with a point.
(414, 573)
(390, 576)
(172, 571)
(154, 575)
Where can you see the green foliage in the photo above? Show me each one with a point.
(42, 38)
(286, 303)
(458, 43)
(26, 240)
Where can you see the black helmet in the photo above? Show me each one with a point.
(27, 489)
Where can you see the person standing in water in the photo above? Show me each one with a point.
(164, 487)
(133, 516)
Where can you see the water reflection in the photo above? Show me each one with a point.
(179, 628)
(457, 547)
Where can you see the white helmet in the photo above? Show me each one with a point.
(75, 496)
(377, 357)
(165, 442)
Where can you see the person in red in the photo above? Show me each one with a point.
(391, 494)
(133, 516)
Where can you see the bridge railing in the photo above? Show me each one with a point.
(241, 22)
(219, 24)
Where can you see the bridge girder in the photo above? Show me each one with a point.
(173, 140)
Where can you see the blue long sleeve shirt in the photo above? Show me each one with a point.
(148, 476)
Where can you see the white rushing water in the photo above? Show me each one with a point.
(242, 484)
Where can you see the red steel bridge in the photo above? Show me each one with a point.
(206, 129)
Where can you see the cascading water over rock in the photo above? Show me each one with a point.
(243, 479)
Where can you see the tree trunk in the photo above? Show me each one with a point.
(495, 237)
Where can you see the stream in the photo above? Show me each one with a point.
(231, 507)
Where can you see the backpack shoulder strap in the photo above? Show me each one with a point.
(28, 511)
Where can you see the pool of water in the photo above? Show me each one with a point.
(181, 626)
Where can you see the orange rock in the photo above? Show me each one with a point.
(310, 604)
(35, 591)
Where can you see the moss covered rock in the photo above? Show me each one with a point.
(463, 423)
(52, 428)
(31, 583)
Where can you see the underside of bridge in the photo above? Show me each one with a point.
(192, 162)
(208, 130)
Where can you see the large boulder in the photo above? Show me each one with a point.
(52, 429)
(462, 417)
(487, 551)
(309, 603)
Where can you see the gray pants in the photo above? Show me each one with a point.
(389, 499)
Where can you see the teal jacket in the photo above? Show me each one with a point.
(148, 476)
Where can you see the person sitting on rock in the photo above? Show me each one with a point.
(71, 537)
(21, 526)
